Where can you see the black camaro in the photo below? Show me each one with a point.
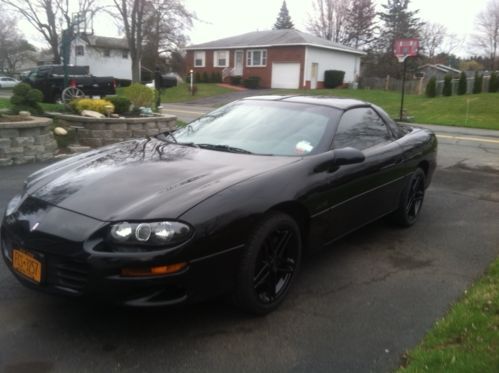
(226, 204)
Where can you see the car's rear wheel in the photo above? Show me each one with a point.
(269, 265)
(411, 201)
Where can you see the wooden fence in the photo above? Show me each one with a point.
(417, 86)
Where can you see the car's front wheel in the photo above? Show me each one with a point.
(411, 201)
(269, 265)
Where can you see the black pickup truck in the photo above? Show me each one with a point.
(50, 80)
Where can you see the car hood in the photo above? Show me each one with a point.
(144, 179)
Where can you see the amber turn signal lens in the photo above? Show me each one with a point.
(153, 271)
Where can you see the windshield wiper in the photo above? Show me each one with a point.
(165, 135)
(224, 148)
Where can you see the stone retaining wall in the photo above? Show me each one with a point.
(26, 141)
(97, 132)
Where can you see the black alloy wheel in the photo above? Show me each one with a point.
(269, 265)
(415, 197)
(411, 201)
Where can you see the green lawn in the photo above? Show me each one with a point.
(467, 338)
(5, 103)
(475, 111)
(181, 92)
(483, 108)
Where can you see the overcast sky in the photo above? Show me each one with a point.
(231, 17)
(223, 18)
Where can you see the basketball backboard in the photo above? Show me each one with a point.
(403, 48)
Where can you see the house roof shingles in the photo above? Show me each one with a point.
(106, 42)
(272, 38)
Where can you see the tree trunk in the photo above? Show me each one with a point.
(135, 70)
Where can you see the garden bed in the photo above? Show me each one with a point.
(25, 140)
(96, 132)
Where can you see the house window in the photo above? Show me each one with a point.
(125, 54)
(79, 50)
(199, 58)
(107, 52)
(256, 57)
(221, 58)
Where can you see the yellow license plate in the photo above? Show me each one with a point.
(27, 265)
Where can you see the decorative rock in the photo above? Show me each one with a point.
(24, 114)
(115, 115)
(22, 141)
(60, 131)
(92, 114)
(97, 132)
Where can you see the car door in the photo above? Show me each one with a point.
(360, 193)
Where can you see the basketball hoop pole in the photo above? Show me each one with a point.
(403, 90)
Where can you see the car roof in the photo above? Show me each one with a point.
(341, 103)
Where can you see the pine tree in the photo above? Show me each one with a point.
(283, 19)
(463, 84)
(477, 84)
(431, 87)
(493, 82)
(447, 90)
(398, 23)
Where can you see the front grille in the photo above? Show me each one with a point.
(68, 274)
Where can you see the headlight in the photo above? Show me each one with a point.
(150, 233)
(13, 205)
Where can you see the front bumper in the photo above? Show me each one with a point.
(69, 268)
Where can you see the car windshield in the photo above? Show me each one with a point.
(260, 127)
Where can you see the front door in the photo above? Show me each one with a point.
(238, 62)
(314, 72)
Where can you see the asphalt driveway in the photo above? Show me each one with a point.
(356, 307)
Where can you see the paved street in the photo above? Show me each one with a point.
(355, 308)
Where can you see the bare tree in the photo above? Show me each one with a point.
(486, 38)
(14, 49)
(432, 36)
(159, 24)
(166, 24)
(329, 19)
(44, 16)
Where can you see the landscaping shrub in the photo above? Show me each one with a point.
(205, 78)
(236, 80)
(253, 82)
(197, 77)
(431, 87)
(333, 78)
(447, 91)
(98, 105)
(121, 104)
(463, 84)
(139, 95)
(477, 84)
(493, 83)
(25, 98)
(216, 77)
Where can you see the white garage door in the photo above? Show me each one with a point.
(285, 75)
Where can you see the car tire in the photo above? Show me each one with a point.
(269, 265)
(411, 200)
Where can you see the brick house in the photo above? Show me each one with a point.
(281, 58)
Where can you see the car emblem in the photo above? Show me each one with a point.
(34, 226)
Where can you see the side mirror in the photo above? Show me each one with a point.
(333, 159)
(348, 155)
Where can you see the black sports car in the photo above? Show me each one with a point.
(227, 204)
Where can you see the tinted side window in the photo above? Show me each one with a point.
(360, 128)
